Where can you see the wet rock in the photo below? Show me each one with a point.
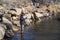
(9, 33)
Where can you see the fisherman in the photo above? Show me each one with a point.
(22, 21)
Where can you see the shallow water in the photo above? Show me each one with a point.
(48, 29)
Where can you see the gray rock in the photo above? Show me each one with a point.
(5, 20)
(17, 23)
(2, 31)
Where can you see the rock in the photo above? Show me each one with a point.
(19, 10)
(2, 31)
(38, 14)
(16, 29)
(7, 23)
(7, 16)
(1, 7)
(16, 23)
(9, 33)
(5, 20)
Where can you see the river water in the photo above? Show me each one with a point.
(48, 29)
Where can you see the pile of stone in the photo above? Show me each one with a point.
(12, 22)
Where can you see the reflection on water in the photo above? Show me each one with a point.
(16, 37)
(48, 29)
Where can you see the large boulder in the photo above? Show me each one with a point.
(2, 31)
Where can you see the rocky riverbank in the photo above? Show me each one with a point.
(11, 15)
